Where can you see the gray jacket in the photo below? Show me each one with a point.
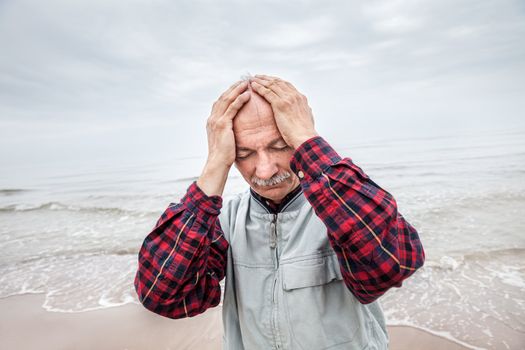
(284, 288)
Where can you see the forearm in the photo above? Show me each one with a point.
(376, 246)
(213, 178)
(182, 260)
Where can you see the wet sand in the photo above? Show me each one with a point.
(25, 324)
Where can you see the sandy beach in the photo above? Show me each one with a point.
(25, 324)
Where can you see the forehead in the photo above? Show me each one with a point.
(254, 125)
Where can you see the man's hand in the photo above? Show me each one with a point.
(292, 114)
(221, 142)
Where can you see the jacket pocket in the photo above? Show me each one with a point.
(310, 273)
(320, 310)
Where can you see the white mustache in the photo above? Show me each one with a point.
(274, 180)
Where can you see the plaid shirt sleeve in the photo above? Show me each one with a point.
(183, 259)
(376, 247)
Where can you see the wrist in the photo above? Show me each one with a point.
(199, 203)
(213, 178)
(298, 141)
(218, 161)
(216, 165)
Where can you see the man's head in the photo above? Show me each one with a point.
(263, 158)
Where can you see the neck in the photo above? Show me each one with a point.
(274, 206)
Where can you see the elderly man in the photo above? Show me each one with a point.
(306, 251)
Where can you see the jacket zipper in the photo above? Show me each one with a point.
(273, 232)
(273, 245)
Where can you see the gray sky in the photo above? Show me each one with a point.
(83, 80)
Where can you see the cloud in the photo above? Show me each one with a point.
(67, 65)
(296, 34)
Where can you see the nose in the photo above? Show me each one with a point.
(266, 167)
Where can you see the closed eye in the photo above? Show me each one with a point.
(244, 156)
(247, 155)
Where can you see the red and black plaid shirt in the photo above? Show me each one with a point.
(183, 259)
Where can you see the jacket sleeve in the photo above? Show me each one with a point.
(183, 259)
(376, 247)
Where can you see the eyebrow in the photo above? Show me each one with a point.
(272, 143)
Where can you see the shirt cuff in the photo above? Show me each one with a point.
(312, 158)
(199, 202)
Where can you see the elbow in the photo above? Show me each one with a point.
(416, 253)
(390, 271)
(364, 295)
(159, 304)
(420, 260)
(369, 291)
(179, 303)
(144, 293)
(150, 302)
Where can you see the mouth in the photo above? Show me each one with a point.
(268, 187)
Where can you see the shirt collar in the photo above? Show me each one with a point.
(276, 208)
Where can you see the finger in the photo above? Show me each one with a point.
(226, 92)
(230, 95)
(236, 105)
(231, 87)
(272, 85)
(268, 94)
(235, 89)
(266, 77)
(279, 80)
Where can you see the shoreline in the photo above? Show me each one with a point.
(25, 324)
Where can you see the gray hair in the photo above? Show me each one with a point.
(274, 180)
(246, 76)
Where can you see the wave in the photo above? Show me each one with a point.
(57, 206)
(12, 191)
(494, 253)
(187, 179)
(469, 200)
(454, 261)
(80, 253)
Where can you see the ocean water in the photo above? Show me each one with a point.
(74, 235)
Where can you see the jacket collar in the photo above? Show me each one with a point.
(285, 205)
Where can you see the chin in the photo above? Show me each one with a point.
(275, 195)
